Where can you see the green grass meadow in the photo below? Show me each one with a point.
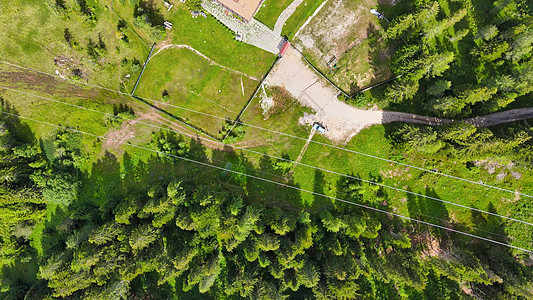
(270, 11)
(375, 141)
(217, 42)
(33, 36)
(302, 13)
(192, 82)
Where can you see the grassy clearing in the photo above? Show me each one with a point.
(361, 66)
(374, 141)
(210, 37)
(192, 82)
(302, 13)
(283, 117)
(348, 34)
(270, 11)
(206, 35)
(33, 35)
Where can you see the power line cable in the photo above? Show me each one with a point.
(480, 183)
(194, 137)
(280, 184)
(284, 159)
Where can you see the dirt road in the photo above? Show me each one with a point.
(345, 121)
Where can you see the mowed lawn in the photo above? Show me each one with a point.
(270, 11)
(193, 83)
(298, 18)
(217, 42)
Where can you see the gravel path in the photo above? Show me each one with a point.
(253, 33)
(285, 15)
(344, 121)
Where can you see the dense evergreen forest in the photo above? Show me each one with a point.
(461, 58)
(164, 228)
(167, 229)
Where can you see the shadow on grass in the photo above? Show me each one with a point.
(21, 132)
(430, 211)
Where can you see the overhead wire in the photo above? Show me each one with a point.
(282, 159)
(280, 184)
(143, 123)
(480, 183)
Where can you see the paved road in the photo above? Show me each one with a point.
(482, 121)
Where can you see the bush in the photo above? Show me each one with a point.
(61, 5)
(86, 10)
(165, 96)
(68, 37)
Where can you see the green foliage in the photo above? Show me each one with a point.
(283, 165)
(223, 243)
(61, 5)
(456, 47)
(233, 132)
(148, 17)
(170, 143)
(487, 33)
(61, 180)
(96, 49)
(21, 202)
(439, 87)
(425, 141)
(522, 47)
(402, 91)
(194, 4)
(68, 37)
(85, 9)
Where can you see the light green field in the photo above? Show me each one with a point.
(192, 82)
(283, 118)
(298, 18)
(212, 39)
(33, 35)
(270, 11)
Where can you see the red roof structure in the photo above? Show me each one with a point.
(284, 48)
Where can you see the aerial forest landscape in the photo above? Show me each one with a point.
(266, 149)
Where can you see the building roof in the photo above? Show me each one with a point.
(244, 8)
(284, 48)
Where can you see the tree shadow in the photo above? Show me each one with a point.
(431, 211)
(151, 13)
(501, 260)
(20, 131)
(318, 185)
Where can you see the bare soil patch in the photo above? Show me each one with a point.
(46, 83)
(346, 34)
(303, 83)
